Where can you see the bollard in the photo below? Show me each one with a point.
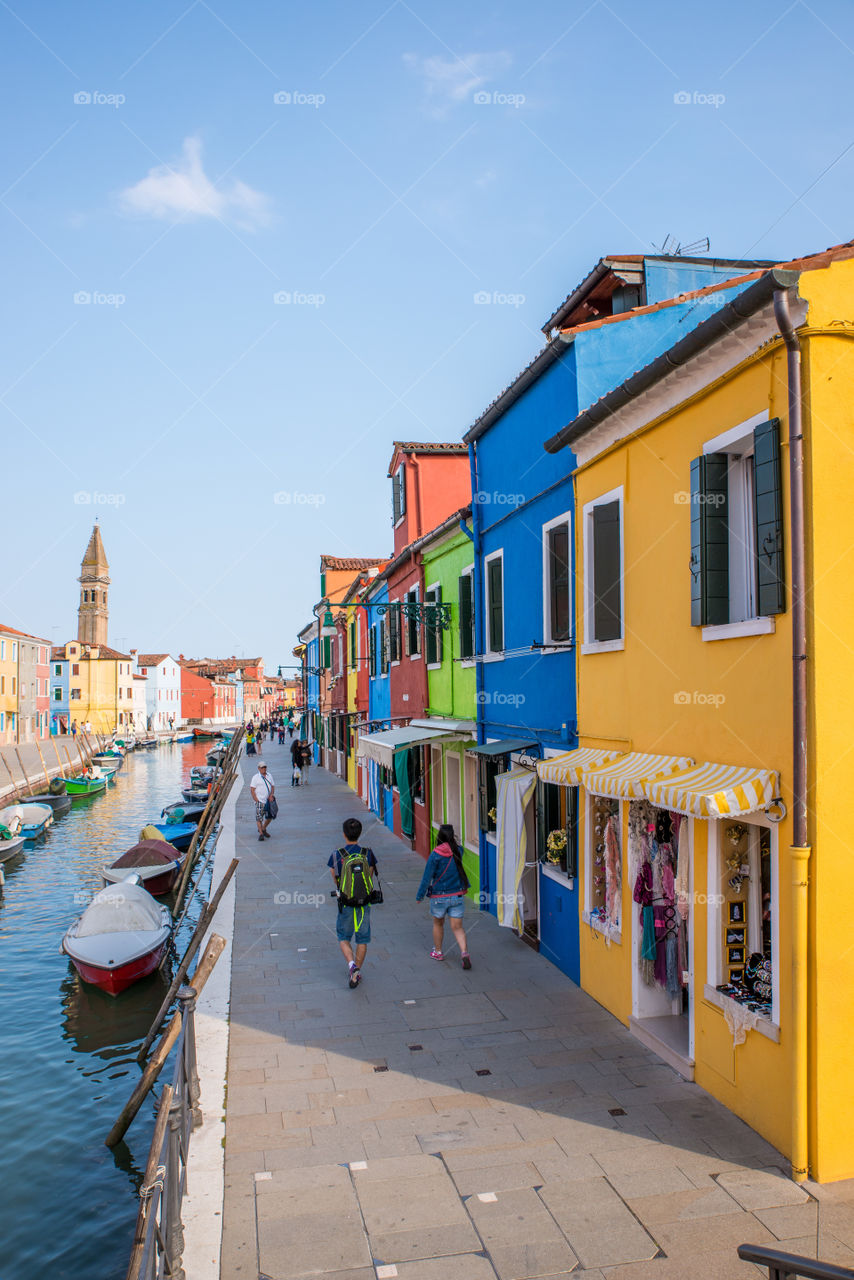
(174, 1233)
(187, 997)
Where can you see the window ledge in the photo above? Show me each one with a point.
(603, 646)
(732, 630)
(765, 1026)
(466, 663)
(595, 923)
(493, 657)
(559, 877)
(434, 666)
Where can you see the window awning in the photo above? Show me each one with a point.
(623, 778)
(382, 746)
(501, 748)
(460, 728)
(566, 769)
(716, 790)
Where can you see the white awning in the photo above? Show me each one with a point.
(382, 746)
(460, 728)
(623, 779)
(566, 769)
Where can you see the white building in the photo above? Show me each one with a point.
(162, 690)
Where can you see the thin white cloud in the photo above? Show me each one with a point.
(183, 190)
(449, 81)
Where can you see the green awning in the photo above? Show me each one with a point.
(502, 747)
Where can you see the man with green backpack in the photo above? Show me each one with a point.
(353, 870)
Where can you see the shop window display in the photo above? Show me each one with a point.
(661, 867)
(557, 827)
(605, 865)
(747, 960)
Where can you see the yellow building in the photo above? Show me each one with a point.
(100, 687)
(713, 836)
(8, 687)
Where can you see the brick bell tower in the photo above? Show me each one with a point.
(93, 611)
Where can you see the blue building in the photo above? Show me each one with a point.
(59, 722)
(380, 781)
(308, 652)
(623, 314)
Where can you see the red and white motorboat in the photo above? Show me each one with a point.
(156, 862)
(119, 938)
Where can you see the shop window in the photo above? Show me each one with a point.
(603, 864)
(465, 591)
(557, 828)
(603, 571)
(489, 768)
(454, 801)
(495, 603)
(433, 646)
(556, 551)
(737, 528)
(743, 896)
(436, 790)
(415, 765)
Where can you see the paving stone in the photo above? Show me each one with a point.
(689, 1239)
(466, 1266)
(678, 1206)
(601, 1229)
(290, 1248)
(399, 1205)
(755, 1189)
(520, 1235)
(425, 1242)
(793, 1221)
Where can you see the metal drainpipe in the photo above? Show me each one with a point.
(800, 849)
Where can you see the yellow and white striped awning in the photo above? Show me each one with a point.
(624, 778)
(715, 791)
(566, 770)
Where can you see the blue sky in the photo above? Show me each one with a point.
(373, 167)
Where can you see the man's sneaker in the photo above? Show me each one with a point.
(466, 960)
(355, 977)
(436, 955)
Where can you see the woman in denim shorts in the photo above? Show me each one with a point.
(445, 883)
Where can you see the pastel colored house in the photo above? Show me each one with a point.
(31, 716)
(162, 691)
(714, 830)
(8, 685)
(59, 721)
(626, 310)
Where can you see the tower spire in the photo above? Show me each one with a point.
(93, 610)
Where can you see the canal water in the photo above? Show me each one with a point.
(67, 1050)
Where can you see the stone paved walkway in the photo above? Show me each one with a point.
(438, 1124)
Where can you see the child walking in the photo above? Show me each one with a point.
(445, 883)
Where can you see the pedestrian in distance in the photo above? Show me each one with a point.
(250, 741)
(281, 735)
(353, 869)
(74, 728)
(296, 763)
(445, 883)
(305, 763)
(263, 790)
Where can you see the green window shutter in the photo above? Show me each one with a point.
(327, 652)
(768, 506)
(559, 582)
(394, 632)
(353, 644)
(607, 572)
(495, 605)
(384, 661)
(464, 586)
(372, 634)
(430, 634)
(709, 540)
(438, 631)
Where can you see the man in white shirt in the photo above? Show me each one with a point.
(263, 788)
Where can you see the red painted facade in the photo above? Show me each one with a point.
(437, 482)
(207, 699)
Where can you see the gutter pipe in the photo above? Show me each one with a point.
(800, 849)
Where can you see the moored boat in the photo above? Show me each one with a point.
(195, 795)
(156, 862)
(11, 848)
(179, 834)
(206, 733)
(188, 812)
(85, 786)
(108, 759)
(185, 737)
(215, 756)
(59, 802)
(119, 938)
(32, 819)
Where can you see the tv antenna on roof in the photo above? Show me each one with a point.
(670, 247)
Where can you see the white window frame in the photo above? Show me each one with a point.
(437, 793)
(470, 662)
(431, 666)
(400, 479)
(715, 969)
(616, 935)
(416, 591)
(602, 646)
(489, 654)
(471, 831)
(396, 662)
(547, 870)
(550, 645)
(455, 819)
(739, 439)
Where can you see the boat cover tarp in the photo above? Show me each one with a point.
(120, 908)
(150, 833)
(148, 853)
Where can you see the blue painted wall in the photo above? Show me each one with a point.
(60, 707)
(312, 692)
(379, 705)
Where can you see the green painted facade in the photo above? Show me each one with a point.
(451, 692)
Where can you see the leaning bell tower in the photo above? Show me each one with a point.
(93, 611)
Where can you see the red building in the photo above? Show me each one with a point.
(206, 700)
(429, 483)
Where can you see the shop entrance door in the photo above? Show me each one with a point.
(662, 960)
